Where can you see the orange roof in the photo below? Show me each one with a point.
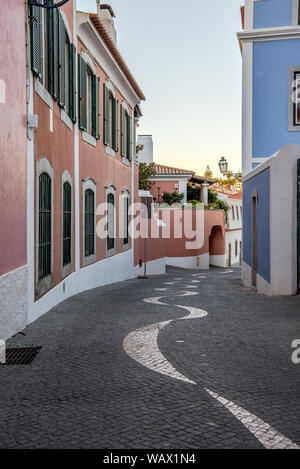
(116, 54)
(230, 194)
(162, 169)
(239, 195)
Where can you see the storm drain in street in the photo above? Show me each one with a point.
(21, 356)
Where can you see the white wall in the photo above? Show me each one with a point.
(13, 302)
(145, 155)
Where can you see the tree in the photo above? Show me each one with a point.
(217, 204)
(172, 198)
(146, 172)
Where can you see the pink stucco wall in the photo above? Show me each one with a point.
(214, 238)
(13, 137)
(165, 186)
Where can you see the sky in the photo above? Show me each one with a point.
(186, 58)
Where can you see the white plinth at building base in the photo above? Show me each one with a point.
(2, 351)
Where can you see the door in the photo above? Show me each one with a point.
(230, 256)
(298, 225)
(254, 237)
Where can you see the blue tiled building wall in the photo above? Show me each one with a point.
(273, 13)
(260, 182)
(271, 62)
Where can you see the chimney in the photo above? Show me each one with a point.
(106, 16)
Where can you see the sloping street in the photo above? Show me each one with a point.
(190, 359)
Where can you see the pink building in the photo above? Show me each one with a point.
(81, 102)
(69, 106)
(13, 168)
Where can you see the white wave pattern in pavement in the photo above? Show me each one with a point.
(142, 346)
(267, 435)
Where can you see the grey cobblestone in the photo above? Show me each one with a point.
(84, 391)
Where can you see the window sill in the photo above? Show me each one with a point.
(67, 270)
(110, 152)
(66, 119)
(89, 139)
(111, 252)
(126, 247)
(294, 128)
(125, 161)
(43, 93)
(89, 260)
(43, 286)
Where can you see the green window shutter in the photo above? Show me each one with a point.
(129, 137)
(115, 124)
(36, 41)
(82, 77)
(105, 114)
(95, 106)
(122, 116)
(72, 77)
(54, 70)
(61, 61)
(50, 42)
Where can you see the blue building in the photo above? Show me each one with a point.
(271, 145)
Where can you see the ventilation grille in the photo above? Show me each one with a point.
(21, 356)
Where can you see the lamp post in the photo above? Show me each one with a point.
(223, 165)
(158, 193)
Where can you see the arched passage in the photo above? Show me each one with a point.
(217, 246)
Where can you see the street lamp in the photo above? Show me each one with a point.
(223, 165)
(158, 195)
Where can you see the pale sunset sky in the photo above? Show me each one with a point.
(186, 58)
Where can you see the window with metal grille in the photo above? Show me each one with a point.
(67, 223)
(126, 220)
(89, 226)
(45, 225)
(110, 222)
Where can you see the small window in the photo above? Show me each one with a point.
(89, 223)
(67, 224)
(241, 210)
(297, 98)
(45, 226)
(126, 219)
(110, 222)
(237, 213)
(233, 213)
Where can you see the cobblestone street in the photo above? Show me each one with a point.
(190, 359)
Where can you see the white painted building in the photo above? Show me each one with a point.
(145, 155)
(234, 230)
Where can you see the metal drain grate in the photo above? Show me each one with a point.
(21, 356)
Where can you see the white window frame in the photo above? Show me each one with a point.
(67, 269)
(111, 190)
(292, 126)
(44, 285)
(88, 183)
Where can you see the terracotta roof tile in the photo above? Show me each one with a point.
(162, 169)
